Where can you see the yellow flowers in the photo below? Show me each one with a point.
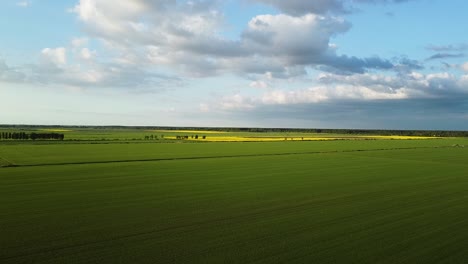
(246, 139)
(216, 138)
(399, 137)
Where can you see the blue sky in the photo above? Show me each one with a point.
(384, 64)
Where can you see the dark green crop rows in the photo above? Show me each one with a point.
(285, 202)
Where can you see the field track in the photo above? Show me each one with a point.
(10, 164)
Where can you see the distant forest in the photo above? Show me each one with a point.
(437, 133)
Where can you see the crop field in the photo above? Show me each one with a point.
(109, 196)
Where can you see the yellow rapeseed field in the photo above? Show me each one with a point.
(188, 131)
(399, 137)
(254, 139)
(270, 139)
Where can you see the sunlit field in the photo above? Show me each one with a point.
(112, 196)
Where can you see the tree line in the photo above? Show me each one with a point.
(30, 136)
(193, 137)
(153, 137)
(383, 132)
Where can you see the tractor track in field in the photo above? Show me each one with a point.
(12, 165)
(5, 163)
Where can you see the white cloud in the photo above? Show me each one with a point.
(259, 84)
(415, 85)
(106, 16)
(145, 36)
(465, 67)
(54, 69)
(359, 88)
(312, 95)
(57, 56)
(9, 74)
(237, 102)
(187, 36)
(86, 54)
(292, 37)
(301, 7)
(79, 42)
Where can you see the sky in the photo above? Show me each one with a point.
(367, 64)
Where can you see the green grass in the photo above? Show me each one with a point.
(382, 201)
(34, 154)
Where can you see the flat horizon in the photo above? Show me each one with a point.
(382, 64)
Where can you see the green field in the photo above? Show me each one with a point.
(343, 201)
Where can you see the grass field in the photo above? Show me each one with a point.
(341, 201)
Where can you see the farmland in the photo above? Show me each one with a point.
(110, 196)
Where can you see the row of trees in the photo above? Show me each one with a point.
(193, 137)
(153, 137)
(156, 137)
(30, 136)
(437, 133)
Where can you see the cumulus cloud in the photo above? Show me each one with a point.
(86, 54)
(79, 42)
(148, 22)
(54, 68)
(438, 114)
(465, 67)
(259, 84)
(110, 75)
(182, 35)
(312, 95)
(144, 44)
(414, 100)
(237, 102)
(359, 87)
(296, 42)
(300, 7)
(292, 37)
(57, 56)
(414, 85)
(187, 36)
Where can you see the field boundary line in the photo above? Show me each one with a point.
(215, 157)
